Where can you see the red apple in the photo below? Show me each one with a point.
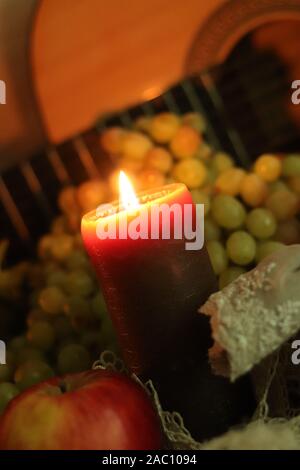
(96, 409)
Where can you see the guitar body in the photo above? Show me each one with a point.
(67, 62)
(93, 57)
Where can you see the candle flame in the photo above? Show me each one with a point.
(128, 199)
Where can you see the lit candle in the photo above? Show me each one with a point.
(153, 286)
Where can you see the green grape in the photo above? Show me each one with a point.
(98, 305)
(41, 335)
(160, 159)
(135, 145)
(73, 358)
(163, 127)
(221, 162)
(200, 197)
(229, 275)
(230, 181)
(268, 167)
(77, 260)
(17, 343)
(52, 300)
(291, 165)
(62, 246)
(195, 120)
(7, 392)
(204, 152)
(211, 230)
(191, 172)
(29, 354)
(79, 283)
(253, 190)
(56, 278)
(284, 204)
(31, 373)
(241, 248)
(261, 223)
(218, 256)
(227, 211)
(267, 248)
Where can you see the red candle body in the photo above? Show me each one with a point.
(153, 289)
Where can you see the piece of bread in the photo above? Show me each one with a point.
(255, 314)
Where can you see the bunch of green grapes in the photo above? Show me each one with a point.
(154, 152)
(67, 322)
(248, 214)
(256, 213)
